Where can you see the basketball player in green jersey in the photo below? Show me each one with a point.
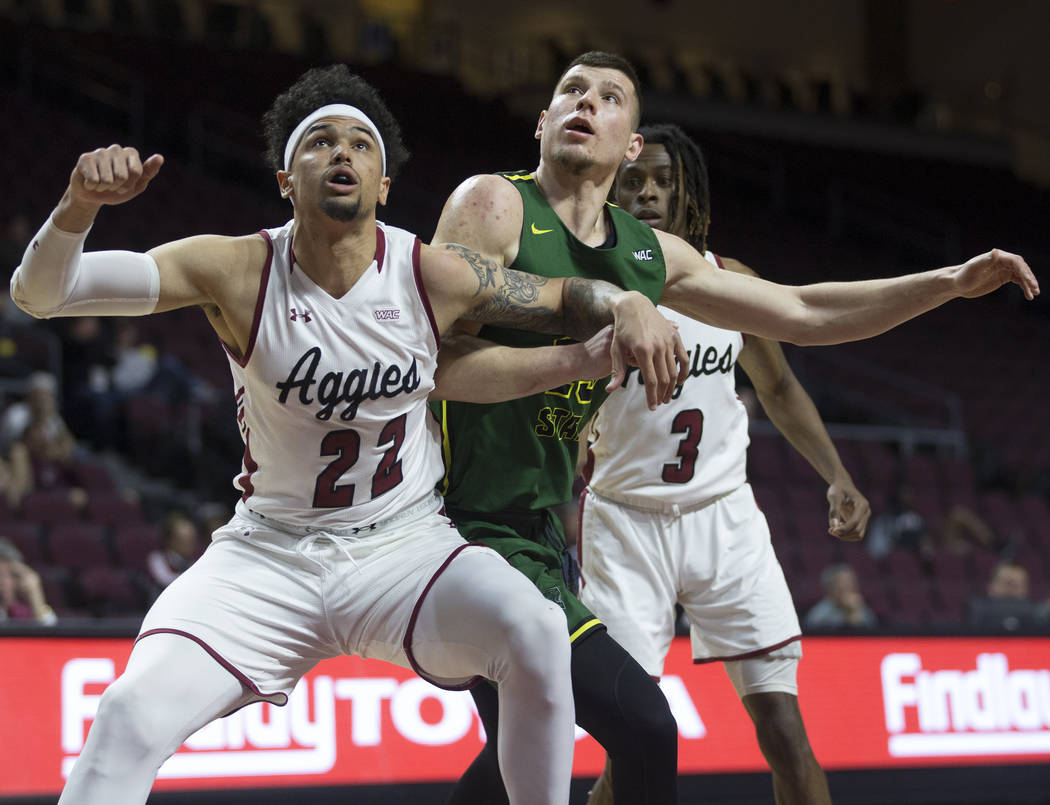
(508, 464)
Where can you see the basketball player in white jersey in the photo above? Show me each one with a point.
(668, 516)
(338, 544)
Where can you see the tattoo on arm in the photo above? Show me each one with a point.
(510, 297)
(486, 269)
(587, 305)
(514, 296)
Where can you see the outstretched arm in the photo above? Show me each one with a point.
(828, 312)
(463, 284)
(485, 215)
(56, 277)
(471, 369)
(793, 413)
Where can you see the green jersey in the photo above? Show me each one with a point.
(521, 454)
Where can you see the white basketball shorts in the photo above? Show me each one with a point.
(269, 604)
(717, 562)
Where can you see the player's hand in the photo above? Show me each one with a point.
(111, 175)
(643, 337)
(596, 354)
(986, 272)
(848, 512)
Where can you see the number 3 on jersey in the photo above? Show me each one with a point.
(345, 445)
(691, 423)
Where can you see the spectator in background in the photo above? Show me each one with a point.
(179, 548)
(37, 424)
(135, 362)
(140, 367)
(962, 530)
(39, 403)
(87, 397)
(16, 475)
(1007, 605)
(900, 526)
(842, 605)
(21, 592)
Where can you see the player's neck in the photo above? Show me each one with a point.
(334, 254)
(578, 200)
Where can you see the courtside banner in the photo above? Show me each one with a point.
(867, 702)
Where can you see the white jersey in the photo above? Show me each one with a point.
(332, 393)
(686, 453)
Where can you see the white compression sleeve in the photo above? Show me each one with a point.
(171, 688)
(57, 279)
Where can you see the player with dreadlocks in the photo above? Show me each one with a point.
(680, 161)
(667, 491)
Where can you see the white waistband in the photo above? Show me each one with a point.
(431, 503)
(644, 504)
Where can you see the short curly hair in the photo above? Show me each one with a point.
(319, 87)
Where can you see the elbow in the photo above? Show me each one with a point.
(801, 331)
(775, 397)
(807, 328)
(22, 302)
(805, 338)
(35, 312)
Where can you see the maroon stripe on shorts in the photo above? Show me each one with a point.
(750, 654)
(407, 642)
(274, 698)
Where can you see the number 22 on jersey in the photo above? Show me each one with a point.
(345, 445)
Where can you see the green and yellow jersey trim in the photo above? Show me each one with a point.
(587, 626)
(446, 447)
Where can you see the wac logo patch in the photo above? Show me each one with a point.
(643, 254)
(390, 314)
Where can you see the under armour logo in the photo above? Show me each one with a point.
(305, 315)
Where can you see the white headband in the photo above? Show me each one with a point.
(332, 110)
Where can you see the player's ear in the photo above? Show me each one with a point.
(384, 189)
(539, 124)
(284, 182)
(634, 150)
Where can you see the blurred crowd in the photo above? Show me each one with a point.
(78, 537)
(82, 397)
